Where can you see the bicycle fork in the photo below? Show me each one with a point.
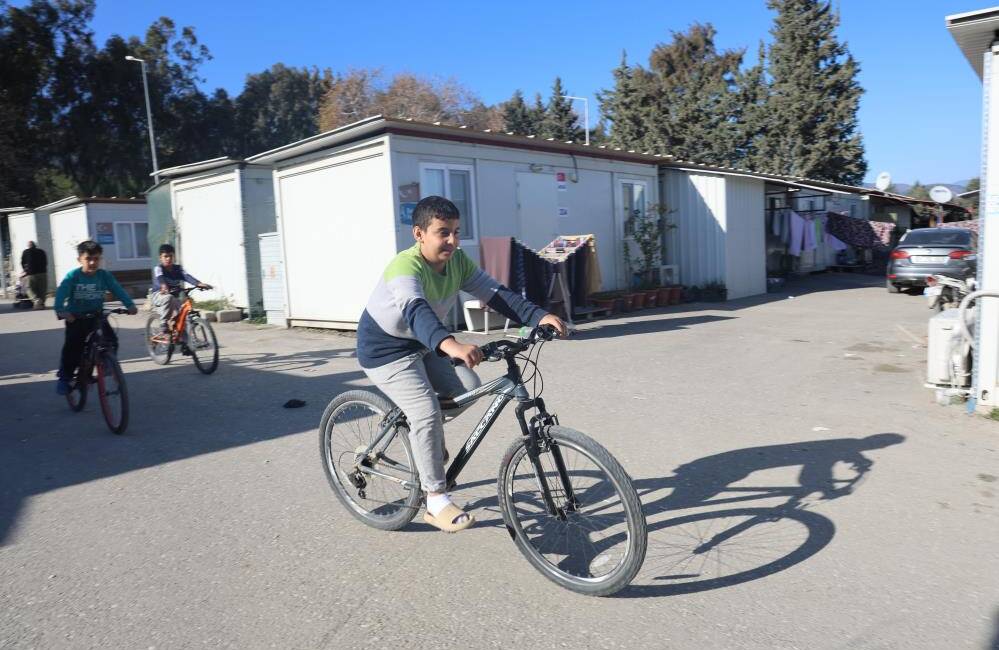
(537, 443)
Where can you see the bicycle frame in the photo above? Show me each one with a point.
(507, 388)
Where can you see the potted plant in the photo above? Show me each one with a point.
(714, 292)
(643, 248)
(675, 294)
(605, 300)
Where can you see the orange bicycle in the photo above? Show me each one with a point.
(189, 331)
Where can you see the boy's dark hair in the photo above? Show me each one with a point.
(89, 247)
(434, 207)
(167, 248)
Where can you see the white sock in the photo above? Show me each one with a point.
(437, 502)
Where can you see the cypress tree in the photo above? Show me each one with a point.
(694, 111)
(813, 100)
(517, 117)
(537, 115)
(560, 120)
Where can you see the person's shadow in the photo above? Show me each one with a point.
(702, 547)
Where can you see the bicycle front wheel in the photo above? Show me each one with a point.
(202, 344)
(77, 395)
(112, 392)
(158, 344)
(381, 490)
(594, 542)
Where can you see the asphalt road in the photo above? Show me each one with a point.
(210, 522)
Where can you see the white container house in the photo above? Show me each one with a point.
(25, 226)
(344, 200)
(118, 225)
(219, 208)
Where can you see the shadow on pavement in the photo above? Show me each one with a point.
(994, 645)
(721, 547)
(707, 533)
(46, 446)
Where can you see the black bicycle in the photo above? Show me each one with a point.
(567, 503)
(99, 354)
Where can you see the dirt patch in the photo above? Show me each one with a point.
(887, 367)
(988, 478)
(869, 347)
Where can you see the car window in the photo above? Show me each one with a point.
(937, 237)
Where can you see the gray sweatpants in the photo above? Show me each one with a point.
(412, 383)
(166, 307)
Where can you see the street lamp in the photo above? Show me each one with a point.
(586, 114)
(149, 117)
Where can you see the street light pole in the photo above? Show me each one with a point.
(586, 114)
(149, 117)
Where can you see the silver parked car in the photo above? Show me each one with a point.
(932, 251)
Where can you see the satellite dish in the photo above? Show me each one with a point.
(941, 194)
(883, 182)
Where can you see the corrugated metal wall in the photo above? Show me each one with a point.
(697, 244)
(745, 237)
(258, 217)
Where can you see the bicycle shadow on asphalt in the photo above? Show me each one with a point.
(709, 531)
(995, 638)
(176, 413)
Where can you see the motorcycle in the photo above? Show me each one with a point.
(943, 292)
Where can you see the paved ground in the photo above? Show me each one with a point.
(210, 523)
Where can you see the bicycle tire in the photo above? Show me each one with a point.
(200, 329)
(396, 514)
(630, 536)
(160, 353)
(77, 395)
(108, 368)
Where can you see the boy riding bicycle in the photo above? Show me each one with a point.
(81, 293)
(168, 283)
(404, 349)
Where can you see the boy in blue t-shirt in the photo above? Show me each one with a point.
(81, 293)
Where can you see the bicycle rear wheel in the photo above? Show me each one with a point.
(202, 344)
(113, 392)
(595, 542)
(351, 422)
(77, 395)
(159, 350)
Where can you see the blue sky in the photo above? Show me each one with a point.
(920, 116)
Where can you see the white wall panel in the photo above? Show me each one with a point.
(114, 213)
(745, 240)
(69, 228)
(697, 244)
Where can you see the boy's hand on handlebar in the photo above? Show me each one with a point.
(470, 355)
(202, 285)
(65, 315)
(556, 322)
(132, 311)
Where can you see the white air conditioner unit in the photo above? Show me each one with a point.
(948, 356)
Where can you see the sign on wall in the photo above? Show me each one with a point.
(409, 195)
(560, 182)
(105, 232)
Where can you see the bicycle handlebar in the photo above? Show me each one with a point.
(498, 350)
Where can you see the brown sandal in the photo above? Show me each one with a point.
(447, 519)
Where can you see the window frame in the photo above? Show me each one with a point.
(447, 168)
(134, 241)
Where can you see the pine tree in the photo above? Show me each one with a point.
(517, 117)
(813, 100)
(625, 106)
(560, 120)
(537, 115)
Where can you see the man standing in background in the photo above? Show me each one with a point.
(35, 264)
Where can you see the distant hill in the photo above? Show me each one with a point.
(903, 188)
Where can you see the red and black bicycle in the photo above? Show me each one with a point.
(99, 355)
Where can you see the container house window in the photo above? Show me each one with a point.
(454, 182)
(131, 240)
(632, 202)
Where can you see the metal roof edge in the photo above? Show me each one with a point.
(197, 167)
(14, 210)
(69, 200)
(316, 142)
